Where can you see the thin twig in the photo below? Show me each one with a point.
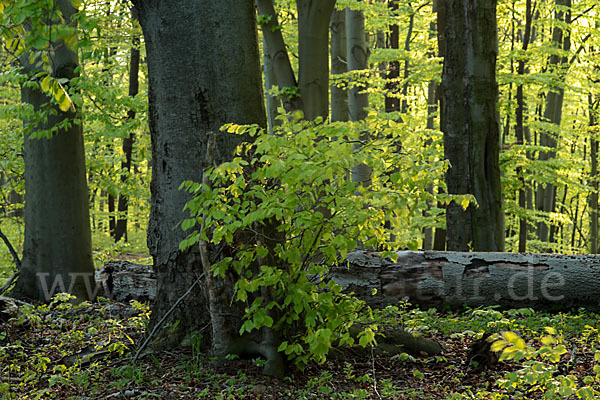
(373, 368)
(164, 318)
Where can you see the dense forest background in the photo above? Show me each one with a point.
(548, 84)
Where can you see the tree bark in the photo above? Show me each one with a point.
(204, 71)
(358, 99)
(57, 250)
(437, 278)
(339, 62)
(283, 73)
(470, 125)
(313, 50)
(455, 279)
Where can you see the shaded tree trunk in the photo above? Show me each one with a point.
(470, 125)
(57, 250)
(204, 71)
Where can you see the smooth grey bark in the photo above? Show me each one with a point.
(546, 194)
(358, 100)
(470, 123)
(283, 73)
(339, 62)
(272, 101)
(203, 67)
(476, 279)
(57, 249)
(313, 51)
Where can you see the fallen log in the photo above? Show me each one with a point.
(455, 279)
(429, 279)
(123, 281)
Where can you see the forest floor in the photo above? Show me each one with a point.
(60, 351)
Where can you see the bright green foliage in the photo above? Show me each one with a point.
(288, 209)
(541, 371)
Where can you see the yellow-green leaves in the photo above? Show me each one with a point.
(56, 90)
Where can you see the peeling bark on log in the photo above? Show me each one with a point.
(123, 281)
(430, 279)
(434, 279)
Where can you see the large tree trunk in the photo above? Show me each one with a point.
(433, 278)
(57, 250)
(203, 71)
(469, 120)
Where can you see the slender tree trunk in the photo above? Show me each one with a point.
(358, 99)
(313, 51)
(546, 194)
(520, 126)
(593, 199)
(392, 101)
(339, 65)
(204, 71)
(471, 127)
(134, 85)
(57, 250)
(409, 33)
(273, 102)
(283, 74)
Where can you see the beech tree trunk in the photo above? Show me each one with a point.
(339, 62)
(57, 249)
(469, 120)
(313, 51)
(204, 71)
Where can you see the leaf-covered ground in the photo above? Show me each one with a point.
(86, 352)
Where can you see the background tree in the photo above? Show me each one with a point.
(57, 254)
(471, 133)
